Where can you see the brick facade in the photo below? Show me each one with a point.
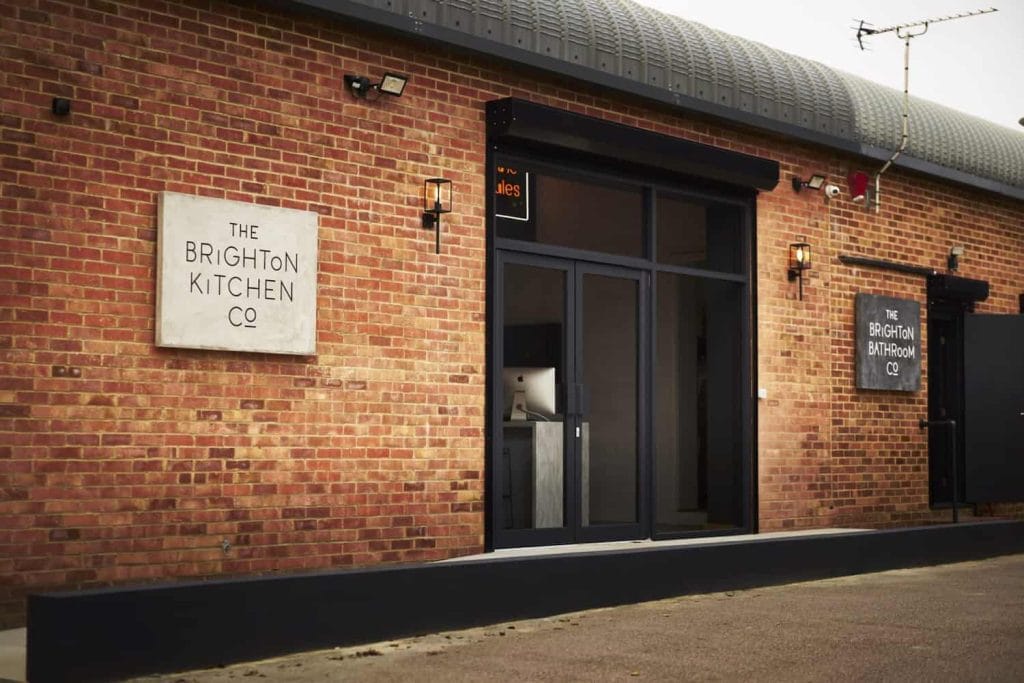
(120, 461)
(830, 454)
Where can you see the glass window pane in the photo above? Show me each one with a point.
(699, 235)
(610, 324)
(698, 395)
(569, 212)
(532, 458)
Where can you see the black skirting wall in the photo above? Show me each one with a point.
(104, 634)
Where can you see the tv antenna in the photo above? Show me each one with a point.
(905, 32)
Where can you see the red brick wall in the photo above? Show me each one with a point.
(880, 454)
(121, 462)
(830, 454)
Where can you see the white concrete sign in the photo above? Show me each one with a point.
(235, 276)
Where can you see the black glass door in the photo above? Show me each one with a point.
(534, 461)
(608, 415)
(569, 402)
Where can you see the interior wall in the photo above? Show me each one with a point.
(587, 215)
(723, 395)
(530, 297)
(676, 444)
(610, 328)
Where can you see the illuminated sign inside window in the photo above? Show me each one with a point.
(512, 193)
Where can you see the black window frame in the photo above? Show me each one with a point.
(566, 161)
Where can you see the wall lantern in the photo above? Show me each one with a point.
(814, 182)
(392, 84)
(799, 261)
(437, 199)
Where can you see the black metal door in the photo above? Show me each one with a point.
(994, 407)
(945, 401)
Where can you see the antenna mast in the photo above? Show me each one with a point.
(905, 32)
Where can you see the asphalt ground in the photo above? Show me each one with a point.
(959, 622)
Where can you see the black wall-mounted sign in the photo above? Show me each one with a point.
(888, 343)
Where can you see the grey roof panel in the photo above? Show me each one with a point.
(938, 134)
(639, 50)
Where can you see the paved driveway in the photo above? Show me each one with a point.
(962, 622)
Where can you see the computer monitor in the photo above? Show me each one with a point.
(529, 393)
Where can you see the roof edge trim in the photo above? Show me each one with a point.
(440, 34)
(944, 172)
(412, 27)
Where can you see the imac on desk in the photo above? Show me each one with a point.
(529, 393)
(532, 449)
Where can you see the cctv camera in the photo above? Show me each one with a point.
(832, 191)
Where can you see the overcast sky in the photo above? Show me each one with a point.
(973, 64)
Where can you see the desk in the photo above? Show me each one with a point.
(535, 473)
(536, 448)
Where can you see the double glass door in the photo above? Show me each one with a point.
(570, 462)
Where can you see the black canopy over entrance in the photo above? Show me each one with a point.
(517, 121)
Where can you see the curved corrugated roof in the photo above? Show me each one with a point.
(938, 134)
(632, 48)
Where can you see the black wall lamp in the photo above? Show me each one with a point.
(360, 86)
(814, 182)
(953, 260)
(799, 261)
(437, 199)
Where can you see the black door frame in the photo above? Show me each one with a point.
(653, 181)
(573, 530)
(508, 538)
(945, 399)
(641, 527)
(950, 298)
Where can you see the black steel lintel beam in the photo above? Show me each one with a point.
(883, 264)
